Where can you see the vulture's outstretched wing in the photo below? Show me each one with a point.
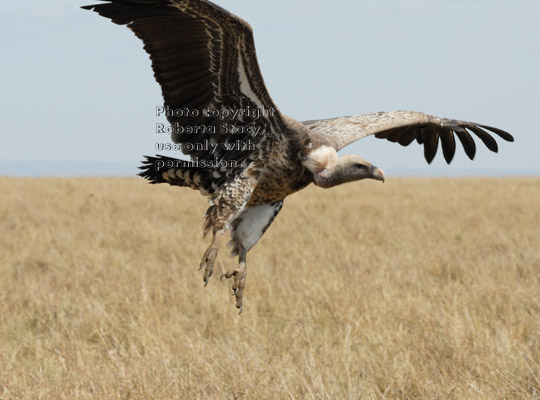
(204, 59)
(404, 127)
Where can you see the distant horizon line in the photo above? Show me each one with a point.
(53, 168)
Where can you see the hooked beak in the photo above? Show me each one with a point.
(377, 173)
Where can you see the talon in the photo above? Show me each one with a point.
(208, 261)
(239, 283)
(208, 273)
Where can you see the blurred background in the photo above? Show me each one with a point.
(78, 96)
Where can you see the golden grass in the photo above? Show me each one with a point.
(415, 289)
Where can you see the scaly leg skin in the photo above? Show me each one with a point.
(209, 258)
(239, 283)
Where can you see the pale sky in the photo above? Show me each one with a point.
(79, 97)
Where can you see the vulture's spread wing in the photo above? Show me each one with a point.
(404, 127)
(204, 59)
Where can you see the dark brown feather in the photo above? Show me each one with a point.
(503, 134)
(467, 141)
(448, 143)
(431, 142)
(484, 137)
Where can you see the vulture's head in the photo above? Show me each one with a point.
(330, 170)
(356, 168)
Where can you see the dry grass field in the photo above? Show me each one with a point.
(415, 289)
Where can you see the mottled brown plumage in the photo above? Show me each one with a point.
(204, 59)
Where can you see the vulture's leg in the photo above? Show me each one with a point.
(209, 257)
(247, 229)
(226, 203)
(239, 275)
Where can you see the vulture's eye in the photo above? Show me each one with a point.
(360, 166)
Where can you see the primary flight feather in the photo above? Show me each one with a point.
(246, 156)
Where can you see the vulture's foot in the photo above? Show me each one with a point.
(239, 283)
(207, 262)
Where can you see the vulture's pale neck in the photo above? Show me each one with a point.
(329, 170)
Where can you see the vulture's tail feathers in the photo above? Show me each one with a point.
(163, 169)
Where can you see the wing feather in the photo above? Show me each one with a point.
(467, 141)
(431, 142)
(203, 57)
(484, 137)
(448, 144)
(404, 127)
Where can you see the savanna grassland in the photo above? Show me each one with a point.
(415, 289)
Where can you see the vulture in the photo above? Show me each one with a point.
(246, 156)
